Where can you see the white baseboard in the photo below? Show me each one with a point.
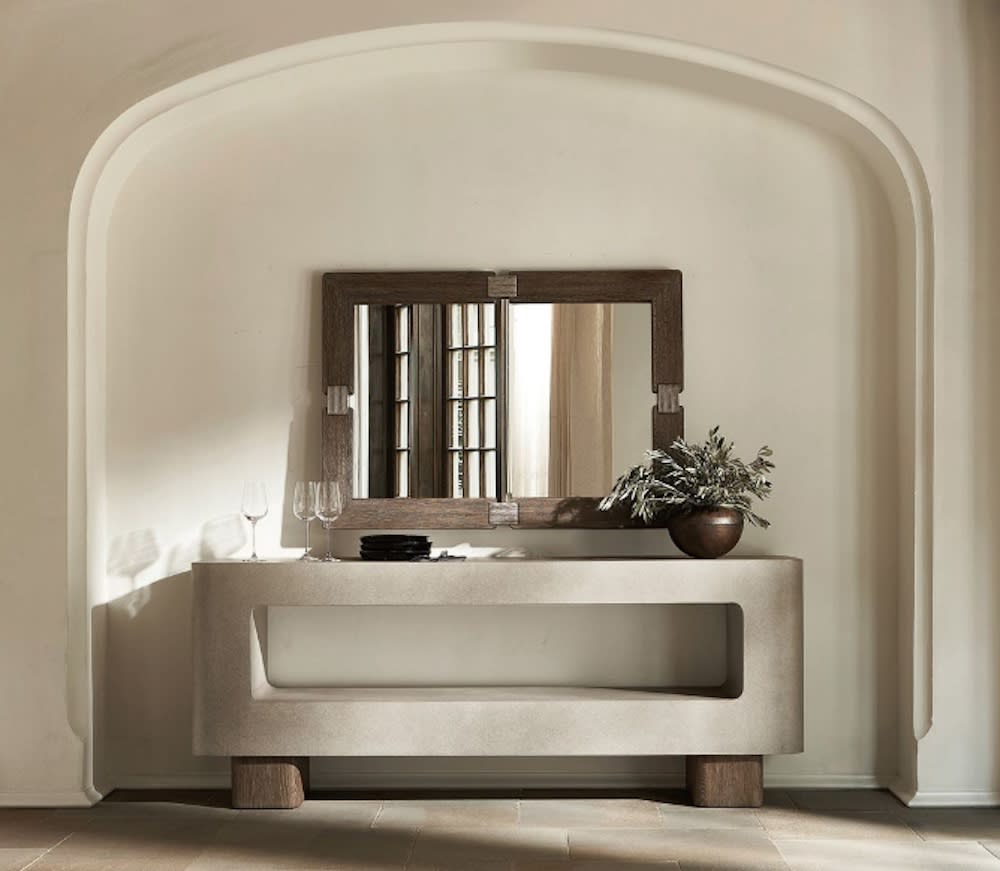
(973, 798)
(57, 798)
(823, 781)
(170, 781)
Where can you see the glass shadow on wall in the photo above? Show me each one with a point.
(500, 400)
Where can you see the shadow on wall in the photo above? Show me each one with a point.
(145, 639)
(304, 459)
(877, 523)
(148, 690)
(983, 35)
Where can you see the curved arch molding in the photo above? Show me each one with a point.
(119, 148)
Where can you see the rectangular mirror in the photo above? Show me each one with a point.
(451, 394)
(498, 400)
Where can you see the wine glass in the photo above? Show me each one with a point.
(253, 508)
(304, 508)
(329, 506)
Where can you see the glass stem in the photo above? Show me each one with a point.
(329, 547)
(253, 539)
(308, 524)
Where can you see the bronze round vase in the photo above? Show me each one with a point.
(706, 533)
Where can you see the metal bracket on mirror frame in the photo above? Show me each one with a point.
(337, 399)
(501, 286)
(503, 514)
(668, 398)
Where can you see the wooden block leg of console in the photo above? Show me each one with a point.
(270, 781)
(725, 781)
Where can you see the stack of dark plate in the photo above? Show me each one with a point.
(395, 548)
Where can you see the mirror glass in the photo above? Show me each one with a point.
(500, 400)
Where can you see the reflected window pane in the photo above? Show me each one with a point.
(456, 376)
(455, 326)
(402, 424)
(471, 324)
(403, 473)
(489, 324)
(402, 376)
(472, 388)
(490, 423)
(490, 480)
(490, 373)
(472, 470)
(472, 434)
(456, 419)
(456, 474)
(402, 328)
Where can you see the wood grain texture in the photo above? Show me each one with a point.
(576, 512)
(667, 427)
(668, 332)
(726, 781)
(403, 514)
(338, 451)
(269, 781)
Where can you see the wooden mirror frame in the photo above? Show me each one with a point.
(342, 291)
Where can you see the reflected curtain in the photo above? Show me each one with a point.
(580, 413)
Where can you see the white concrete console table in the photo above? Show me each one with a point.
(270, 732)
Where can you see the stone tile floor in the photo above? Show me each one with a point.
(819, 830)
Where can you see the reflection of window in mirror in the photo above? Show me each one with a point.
(425, 403)
(473, 447)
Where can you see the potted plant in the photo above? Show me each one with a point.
(702, 490)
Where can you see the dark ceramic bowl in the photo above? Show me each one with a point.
(708, 533)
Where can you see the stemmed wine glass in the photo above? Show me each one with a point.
(304, 508)
(253, 508)
(329, 506)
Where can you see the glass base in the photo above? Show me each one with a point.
(329, 558)
(307, 557)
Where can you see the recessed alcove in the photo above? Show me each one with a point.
(482, 155)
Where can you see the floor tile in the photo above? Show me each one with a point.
(318, 814)
(275, 848)
(448, 814)
(844, 800)
(960, 824)
(621, 813)
(477, 848)
(725, 850)
(158, 810)
(141, 834)
(686, 817)
(596, 865)
(825, 825)
(15, 860)
(886, 856)
(364, 850)
(31, 828)
(814, 830)
(778, 798)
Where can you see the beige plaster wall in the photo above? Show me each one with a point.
(68, 69)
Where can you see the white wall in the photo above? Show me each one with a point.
(926, 64)
(470, 157)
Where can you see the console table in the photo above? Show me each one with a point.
(270, 732)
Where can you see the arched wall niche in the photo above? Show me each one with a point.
(882, 154)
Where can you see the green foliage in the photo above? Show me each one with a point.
(688, 477)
